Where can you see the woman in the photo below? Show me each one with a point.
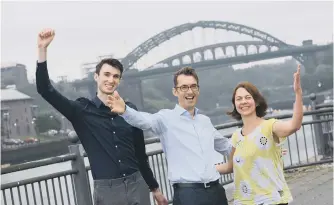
(256, 153)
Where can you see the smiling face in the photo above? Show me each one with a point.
(107, 79)
(187, 91)
(247, 101)
(244, 102)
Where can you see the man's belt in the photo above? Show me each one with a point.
(196, 185)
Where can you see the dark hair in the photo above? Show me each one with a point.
(110, 61)
(185, 71)
(260, 102)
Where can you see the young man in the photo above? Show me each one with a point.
(115, 149)
(189, 141)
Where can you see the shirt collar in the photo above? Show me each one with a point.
(181, 111)
(97, 101)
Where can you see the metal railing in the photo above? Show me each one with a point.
(67, 179)
(5, 147)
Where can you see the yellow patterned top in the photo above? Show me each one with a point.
(258, 168)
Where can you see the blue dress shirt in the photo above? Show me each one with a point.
(189, 143)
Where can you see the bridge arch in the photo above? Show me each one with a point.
(163, 36)
(214, 47)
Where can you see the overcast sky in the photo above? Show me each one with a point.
(86, 30)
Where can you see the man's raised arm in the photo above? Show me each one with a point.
(43, 84)
(141, 120)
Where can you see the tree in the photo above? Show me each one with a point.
(47, 122)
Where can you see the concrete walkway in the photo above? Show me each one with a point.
(309, 185)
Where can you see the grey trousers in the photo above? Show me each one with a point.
(130, 190)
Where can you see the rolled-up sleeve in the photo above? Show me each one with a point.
(223, 145)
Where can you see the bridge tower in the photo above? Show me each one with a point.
(131, 90)
(310, 61)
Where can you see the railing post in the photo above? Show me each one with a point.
(317, 127)
(80, 180)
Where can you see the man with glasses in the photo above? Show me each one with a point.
(188, 139)
(115, 149)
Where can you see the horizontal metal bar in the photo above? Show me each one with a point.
(324, 105)
(23, 146)
(316, 121)
(309, 164)
(155, 152)
(228, 136)
(152, 140)
(281, 116)
(40, 163)
(305, 113)
(37, 179)
(227, 182)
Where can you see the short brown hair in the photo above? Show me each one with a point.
(185, 71)
(260, 102)
(110, 61)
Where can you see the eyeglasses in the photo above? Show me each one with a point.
(185, 88)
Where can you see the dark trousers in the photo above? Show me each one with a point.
(130, 190)
(214, 195)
